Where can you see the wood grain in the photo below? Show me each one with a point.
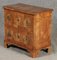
(28, 27)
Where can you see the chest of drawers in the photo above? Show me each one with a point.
(28, 27)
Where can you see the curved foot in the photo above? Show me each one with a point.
(6, 45)
(34, 53)
(49, 50)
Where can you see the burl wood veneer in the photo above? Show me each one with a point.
(28, 27)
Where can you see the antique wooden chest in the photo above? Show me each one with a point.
(28, 27)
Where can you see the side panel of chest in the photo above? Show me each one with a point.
(42, 26)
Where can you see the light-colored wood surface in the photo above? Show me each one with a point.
(31, 30)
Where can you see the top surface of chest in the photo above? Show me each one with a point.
(24, 8)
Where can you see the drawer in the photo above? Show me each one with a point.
(9, 18)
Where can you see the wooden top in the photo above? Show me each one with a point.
(24, 8)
